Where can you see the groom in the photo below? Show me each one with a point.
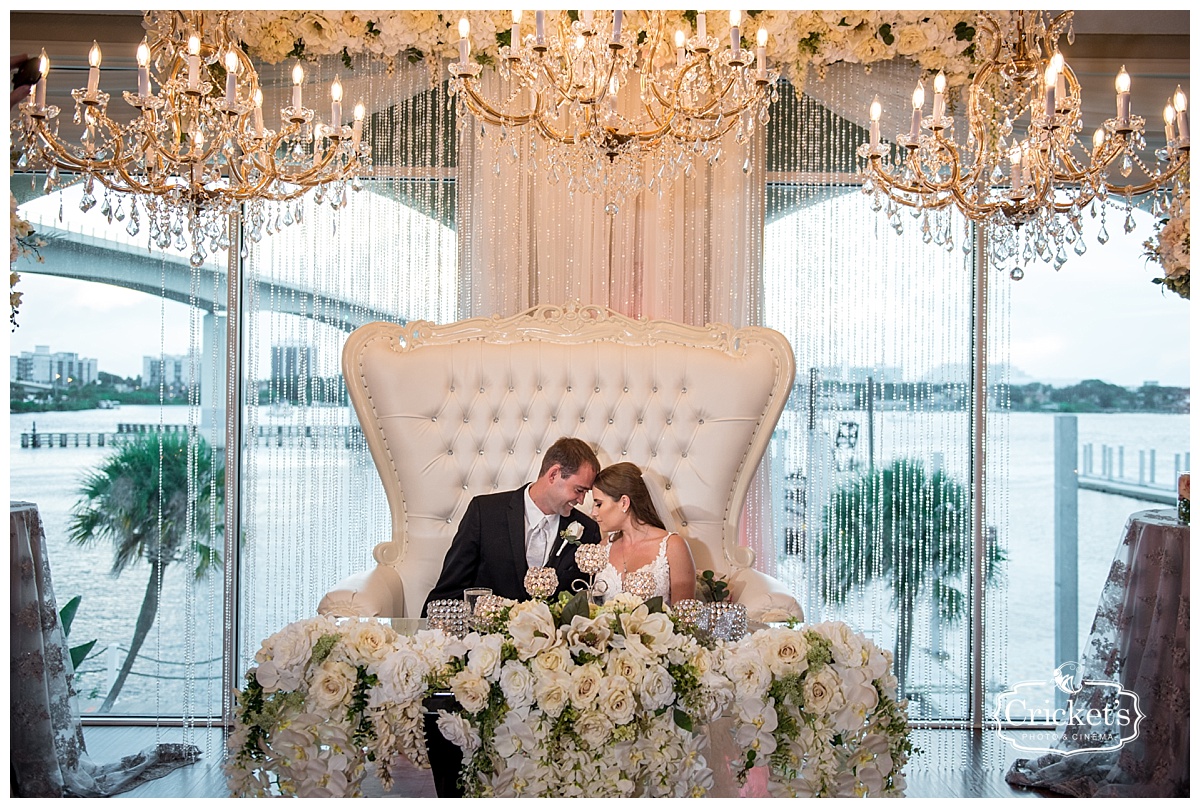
(501, 537)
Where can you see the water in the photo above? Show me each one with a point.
(188, 629)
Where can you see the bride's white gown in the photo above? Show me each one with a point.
(613, 579)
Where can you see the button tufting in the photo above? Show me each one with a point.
(526, 418)
(668, 420)
(481, 390)
(497, 420)
(539, 387)
(451, 388)
(623, 452)
(652, 389)
(450, 452)
(626, 389)
(568, 388)
(684, 524)
(553, 417)
(700, 421)
(510, 451)
(434, 418)
(684, 390)
(581, 419)
(464, 487)
(682, 455)
(447, 521)
(610, 420)
(639, 420)
(668, 486)
(597, 389)
(481, 453)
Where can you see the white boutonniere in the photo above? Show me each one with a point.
(571, 534)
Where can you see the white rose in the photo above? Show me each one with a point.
(289, 648)
(625, 665)
(471, 690)
(911, 39)
(749, 672)
(532, 628)
(333, 684)
(657, 688)
(594, 728)
(585, 684)
(516, 682)
(557, 658)
(402, 675)
(368, 641)
(616, 700)
(822, 694)
(552, 691)
(484, 656)
(786, 651)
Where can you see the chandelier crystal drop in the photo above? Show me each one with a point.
(198, 149)
(1026, 172)
(620, 103)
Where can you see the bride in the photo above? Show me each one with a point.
(636, 538)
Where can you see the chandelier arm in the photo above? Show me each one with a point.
(483, 109)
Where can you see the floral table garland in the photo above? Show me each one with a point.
(563, 698)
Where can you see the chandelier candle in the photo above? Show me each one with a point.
(360, 112)
(939, 97)
(539, 19)
(1123, 102)
(258, 119)
(297, 82)
(679, 53)
(701, 29)
(335, 109)
(39, 96)
(876, 111)
(761, 55)
(1181, 117)
(143, 60)
(1051, 91)
(735, 36)
(231, 68)
(193, 62)
(515, 34)
(464, 46)
(616, 36)
(93, 85)
(918, 101)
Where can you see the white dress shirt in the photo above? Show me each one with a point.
(540, 530)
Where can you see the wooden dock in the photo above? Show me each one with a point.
(265, 435)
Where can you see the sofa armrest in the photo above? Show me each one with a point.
(766, 598)
(378, 592)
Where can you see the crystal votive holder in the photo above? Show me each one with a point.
(728, 621)
(449, 615)
(694, 614)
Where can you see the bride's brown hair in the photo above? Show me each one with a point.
(625, 480)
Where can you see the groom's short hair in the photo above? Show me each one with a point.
(570, 454)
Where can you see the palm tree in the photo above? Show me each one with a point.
(155, 497)
(910, 529)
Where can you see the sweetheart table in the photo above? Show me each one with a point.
(566, 698)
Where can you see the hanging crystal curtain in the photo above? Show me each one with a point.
(874, 480)
(313, 508)
(140, 469)
(687, 248)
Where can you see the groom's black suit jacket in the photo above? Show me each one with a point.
(489, 549)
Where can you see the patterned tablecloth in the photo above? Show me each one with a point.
(1140, 639)
(48, 757)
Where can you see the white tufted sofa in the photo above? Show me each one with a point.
(452, 411)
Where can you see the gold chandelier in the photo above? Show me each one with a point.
(618, 102)
(1025, 167)
(198, 149)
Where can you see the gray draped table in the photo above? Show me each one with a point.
(48, 757)
(1139, 639)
